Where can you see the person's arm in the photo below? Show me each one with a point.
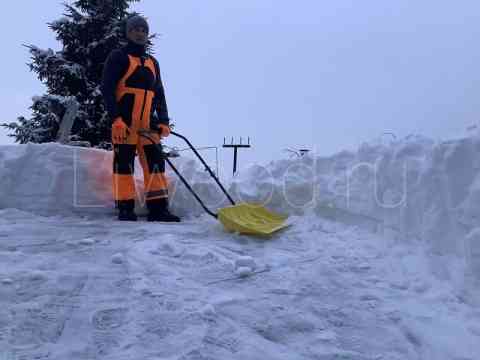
(113, 70)
(159, 105)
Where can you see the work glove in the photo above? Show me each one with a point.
(164, 130)
(119, 131)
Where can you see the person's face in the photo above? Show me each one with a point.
(139, 35)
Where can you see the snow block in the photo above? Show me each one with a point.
(245, 261)
(54, 179)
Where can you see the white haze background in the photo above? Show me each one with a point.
(317, 74)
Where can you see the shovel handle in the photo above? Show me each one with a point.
(212, 174)
(187, 185)
(145, 133)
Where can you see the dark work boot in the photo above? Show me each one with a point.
(158, 211)
(126, 210)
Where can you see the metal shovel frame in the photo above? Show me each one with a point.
(145, 133)
(244, 218)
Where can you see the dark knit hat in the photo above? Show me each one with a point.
(136, 21)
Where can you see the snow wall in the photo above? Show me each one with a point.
(414, 188)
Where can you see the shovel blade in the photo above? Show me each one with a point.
(252, 219)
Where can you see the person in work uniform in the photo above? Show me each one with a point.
(134, 99)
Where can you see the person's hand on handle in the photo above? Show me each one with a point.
(119, 131)
(164, 130)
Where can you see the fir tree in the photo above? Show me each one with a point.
(89, 30)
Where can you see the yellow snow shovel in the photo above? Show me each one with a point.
(244, 218)
(247, 218)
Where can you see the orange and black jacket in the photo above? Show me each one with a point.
(142, 78)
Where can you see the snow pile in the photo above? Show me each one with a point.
(95, 288)
(54, 179)
(414, 188)
(51, 179)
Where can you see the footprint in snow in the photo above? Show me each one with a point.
(109, 318)
(118, 259)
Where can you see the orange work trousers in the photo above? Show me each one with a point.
(153, 165)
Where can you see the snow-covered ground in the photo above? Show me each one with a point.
(375, 266)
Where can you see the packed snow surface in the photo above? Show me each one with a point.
(382, 260)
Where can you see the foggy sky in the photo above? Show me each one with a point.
(324, 75)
